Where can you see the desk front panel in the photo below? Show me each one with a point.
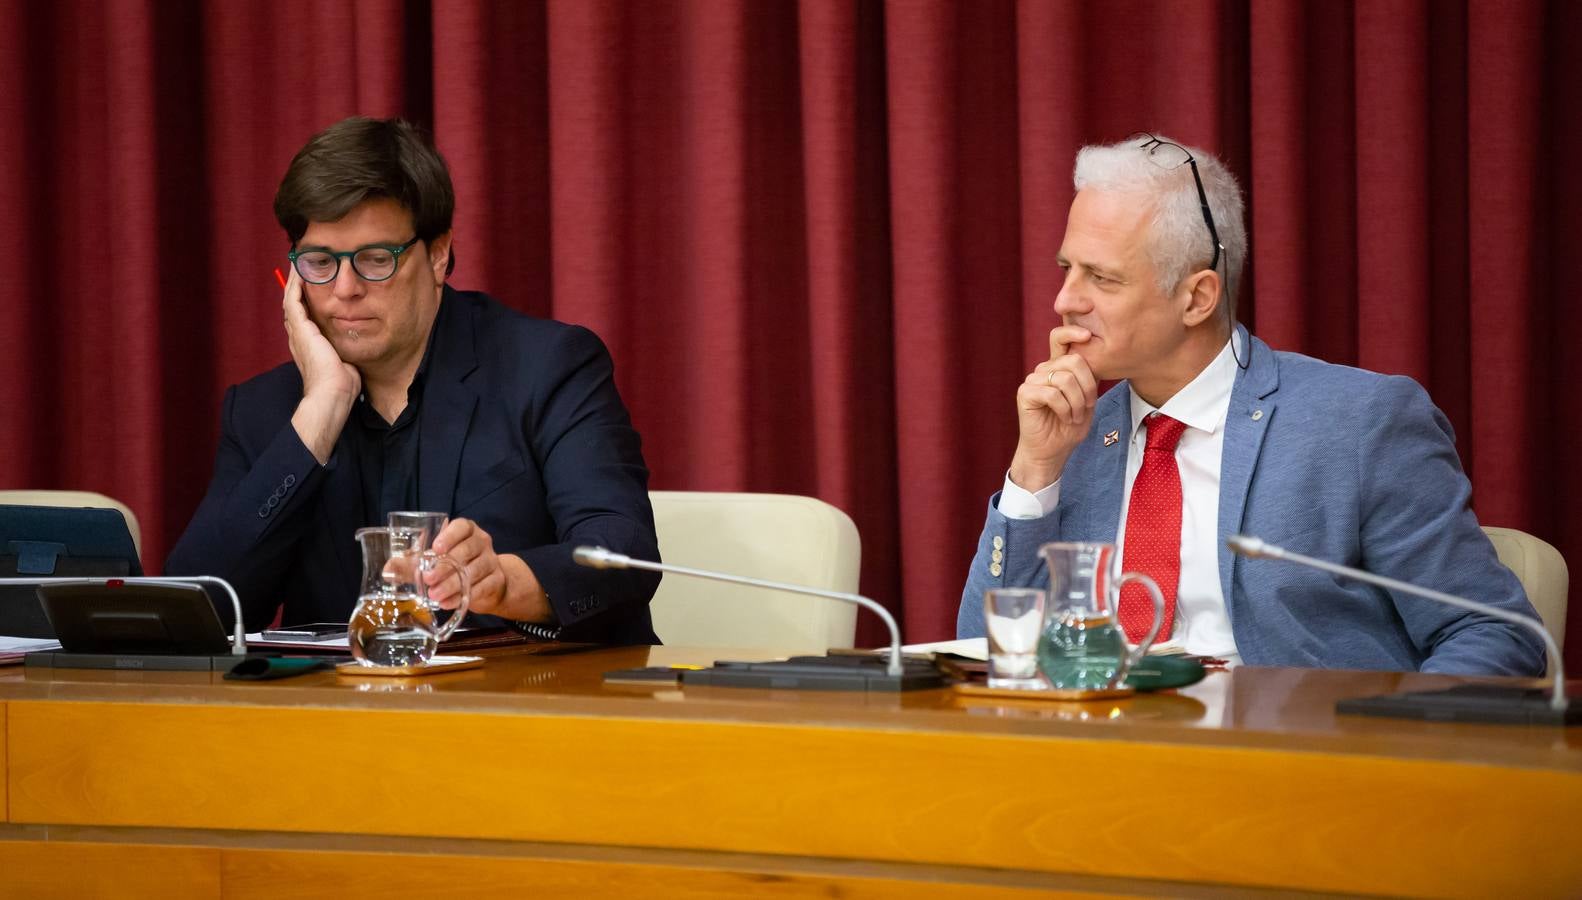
(1141, 792)
(136, 863)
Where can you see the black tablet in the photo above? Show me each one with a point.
(119, 618)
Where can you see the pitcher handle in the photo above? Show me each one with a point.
(429, 562)
(1159, 611)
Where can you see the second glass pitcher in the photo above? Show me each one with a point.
(1082, 646)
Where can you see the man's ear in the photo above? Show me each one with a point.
(439, 257)
(1203, 296)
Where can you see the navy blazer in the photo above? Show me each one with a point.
(520, 430)
(1337, 463)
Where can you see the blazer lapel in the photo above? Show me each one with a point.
(1248, 419)
(343, 511)
(448, 404)
(1112, 428)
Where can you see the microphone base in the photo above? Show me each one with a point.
(844, 672)
(1488, 703)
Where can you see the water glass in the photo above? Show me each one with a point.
(426, 527)
(427, 524)
(1013, 617)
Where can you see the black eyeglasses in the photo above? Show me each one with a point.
(375, 262)
(1166, 155)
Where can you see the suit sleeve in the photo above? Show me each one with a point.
(1007, 557)
(250, 521)
(1418, 526)
(596, 484)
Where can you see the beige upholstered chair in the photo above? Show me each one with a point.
(75, 498)
(1542, 572)
(779, 537)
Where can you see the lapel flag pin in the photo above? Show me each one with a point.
(1112, 437)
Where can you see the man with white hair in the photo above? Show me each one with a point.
(1211, 433)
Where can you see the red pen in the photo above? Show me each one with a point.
(279, 277)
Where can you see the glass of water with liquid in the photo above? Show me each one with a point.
(1083, 647)
(394, 624)
(1013, 618)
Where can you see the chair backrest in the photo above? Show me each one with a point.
(779, 537)
(75, 498)
(1541, 570)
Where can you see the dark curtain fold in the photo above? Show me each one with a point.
(818, 236)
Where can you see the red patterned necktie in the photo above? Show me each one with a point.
(1153, 530)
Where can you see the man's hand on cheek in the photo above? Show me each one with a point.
(329, 384)
(323, 371)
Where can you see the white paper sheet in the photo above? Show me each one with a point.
(26, 645)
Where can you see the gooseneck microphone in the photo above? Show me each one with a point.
(238, 632)
(600, 558)
(1256, 548)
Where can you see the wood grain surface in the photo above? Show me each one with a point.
(162, 862)
(272, 875)
(47, 869)
(1250, 781)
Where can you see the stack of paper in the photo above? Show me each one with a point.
(12, 649)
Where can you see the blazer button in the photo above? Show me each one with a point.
(994, 569)
(263, 512)
(273, 501)
(998, 542)
(997, 556)
(290, 480)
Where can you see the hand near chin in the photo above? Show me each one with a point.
(1054, 410)
(329, 384)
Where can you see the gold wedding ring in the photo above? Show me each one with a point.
(1050, 378)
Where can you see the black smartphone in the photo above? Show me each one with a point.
(314, 631)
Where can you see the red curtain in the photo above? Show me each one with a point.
(818, 236)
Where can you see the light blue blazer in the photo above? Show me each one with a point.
(1333, 462)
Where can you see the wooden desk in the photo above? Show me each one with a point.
(533, 773)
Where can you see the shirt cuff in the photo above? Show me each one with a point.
(1017, 503)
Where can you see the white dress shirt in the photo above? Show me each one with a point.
(1202, 626)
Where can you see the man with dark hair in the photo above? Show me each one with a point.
(406, 394)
